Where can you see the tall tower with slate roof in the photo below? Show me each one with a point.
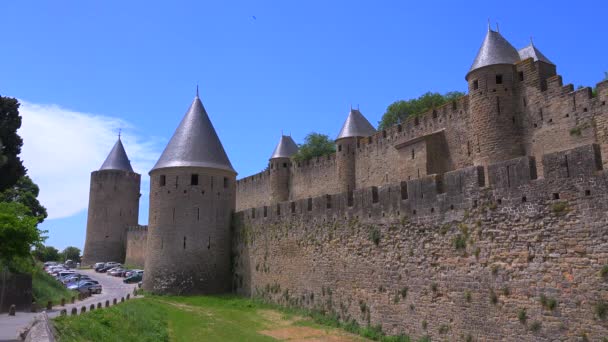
(495, 118)
(280, 169)
(113, 206)
(355, 127)
(192, 197)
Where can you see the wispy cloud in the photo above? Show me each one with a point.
(61, 148)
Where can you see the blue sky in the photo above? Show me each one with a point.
(83, 69)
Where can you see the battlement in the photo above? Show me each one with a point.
(137, 228)
(443, 195)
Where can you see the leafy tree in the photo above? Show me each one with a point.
(46, 253)
(71, 253)
(10, 121)
(398, 111)
(18, 234)
(315, 145)
(26, 193)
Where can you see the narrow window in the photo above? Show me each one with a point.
(468, 147)
(209, 243)
(278, 210)
(498, 104)
(184, 242)
(567, 166)
(413, 154)
(328, 201)
(525, 103)
(225, 182)
(540, 112)
(194, 179)
(339, 148)
(198, 214)
(403, 190)
(350, 198)
(309, 204)
(498, 79)
(265, 211)
(284, 165)
(521, 76)
(163, 180)
(293, 207)
(555, 195)
(475, 85)
(374, 194)
(252, 212)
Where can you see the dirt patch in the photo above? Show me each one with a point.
(277, 319)
(307, 334)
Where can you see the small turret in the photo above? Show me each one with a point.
(495, 133)
(355, 127)
(544, 68)
(192, 197)
(113, 206)
(280, 166)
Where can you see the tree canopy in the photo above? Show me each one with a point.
(398, 111)
(315, 145)
(26, 193)
(46, 253)
(71, 253)
(12, 168)
(18, 234)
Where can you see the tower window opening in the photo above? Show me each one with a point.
(475, 84)
(525, 102)
(350, 199)
(278, 210)
(163, 180)
(339, 148)
(328, 201)
(374, 194)
(198, 214)
(184, 242)
(194, 179)
(293, 207)
(413, 154)
(209, 243)
(265, 211)
(176, 181)
(498, 79)
(225, 182)
(309, 204)
(252, 212)
(403, 190)
(284, 165)
(521, 76)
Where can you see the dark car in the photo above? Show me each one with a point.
(134, 278)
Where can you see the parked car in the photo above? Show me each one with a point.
(70, 263)
(64, 273)
(117, 272)
(98, 265)
(80, 282)
(74, 277)
(108, 266)
(85, 287)
(134, 277)
(132, 272)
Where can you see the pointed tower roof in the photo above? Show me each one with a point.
(195, 143)
(495, 49)
(531, 51)
(285, 148)
(117, 159)
(356, 125)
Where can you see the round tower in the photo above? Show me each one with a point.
(192, 198)
(355, 127)
(280, 169)
(495, 133)
(113, 206)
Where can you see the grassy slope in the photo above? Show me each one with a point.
(45, 288)
(223, 318)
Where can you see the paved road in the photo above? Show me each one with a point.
(112, 287)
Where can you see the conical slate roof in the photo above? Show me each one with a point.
(195, 143)
(495, 49)
(531, 51)
(356, 125)
(285, 148)
(117, 159)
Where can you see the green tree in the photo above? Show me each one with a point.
(398, 111)
(315, 145)
(46, 253)
(10, 121)
(71, 253)
(25, 191)
(18, 234)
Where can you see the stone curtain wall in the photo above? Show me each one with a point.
(447, 257)
(253, 191)
(137, 238)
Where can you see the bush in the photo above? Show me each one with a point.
(374, 236)
(403, 292)
(601, 309)
(535, 326)
(604, 272)
(522, 316)
(459, 242)
(559, 207)
(493, 297)
(467, 296)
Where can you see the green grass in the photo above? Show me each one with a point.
(206, 318)
(45, 288)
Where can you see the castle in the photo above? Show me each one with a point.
(448, 225)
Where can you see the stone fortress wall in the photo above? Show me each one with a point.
(136, 246)
(555, 117)
(449, 256)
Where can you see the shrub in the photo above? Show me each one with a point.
(493, 297)
(374, 236)
(459, 242)
(372, 332)
(444, 229)
(506, 291)
(601, 309)
(522, 315)
(434, 287)
(424, 324)
(535, 326)
(476, 252)
(604, 272)
(467, 296)
(548, 303)
(559, 207)
(403, 292)
(444, 328)
(494, 269)
(362, 306)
